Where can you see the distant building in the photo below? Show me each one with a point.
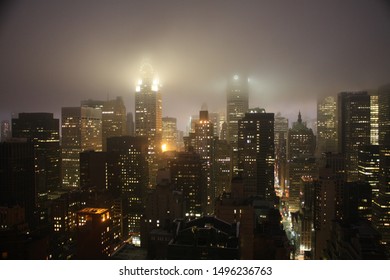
(43, 130)
(169, 134)
(368, 164)
(113, 117)
(327, 125)
(5, 130)
(281, 133)
(148, 116)
(301, 161)
(237, 94)
(130, 124)
(81, 131)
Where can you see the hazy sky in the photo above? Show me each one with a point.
(57, 53)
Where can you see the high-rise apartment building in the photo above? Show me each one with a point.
(81, 131)
(113, 117)
(237, 106)
(256, 153)
(43, 130)
(327, 125)
(353, 128)
(148, 115)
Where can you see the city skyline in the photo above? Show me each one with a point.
(56, 54)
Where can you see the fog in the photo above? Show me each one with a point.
(57, 53)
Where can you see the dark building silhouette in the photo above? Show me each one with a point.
(93, 170)
(206, 238)
(17, 176)
(353, 128)
(94, 234)
(256, 153)
(43, 130)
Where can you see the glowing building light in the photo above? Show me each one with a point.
(164, 147)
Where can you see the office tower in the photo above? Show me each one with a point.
(94, 234)
(222, 166)
(256, 153)
(81, 131)
(113, 117)
(188, 177)
(5, 130)
(169, 134)
(325, 208)
(353, 128)
(128, 176)
(374, 125)
(148, 116)
(215, 120)
(301, 162)
(368, 164)
(281, 132)
(43, 130)
(381, 207)
(354, 201)
(93, 170)
(237, 106)
(17, 176)
(327, 125)
(130, 124)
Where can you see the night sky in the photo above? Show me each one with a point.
(57, 53)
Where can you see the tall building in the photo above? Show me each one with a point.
(353, 128)
(222, 166)
(327, 125)
(237, 106)
(81, 131)
(368, 164)
(43, 130)
(188, 177)
(374, 111)
(5, 130)
(127, 175)
(381, 207)
(256, 153)
(17, 176)
(281, 132)
(301, 162)
(148, 115)
(169, 134)
(113, 117)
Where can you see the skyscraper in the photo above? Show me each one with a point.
(81, 131)
(169, 134)
(113, 117)
(237, 105)
(327, 125)
(148, 115)
(256, 153)
(281, 132)
(130, 124)
(353, 128)
(127, 175)
(381, 206)
(43, 130)
(301, 162)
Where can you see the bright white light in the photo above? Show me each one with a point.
(235, 77)
(154, 87)
(137, 88)
(156, 81)
(139, 82)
